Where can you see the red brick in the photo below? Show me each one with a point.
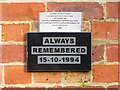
(23, 88)
(119, 52)
(91, 10)
(94, 88)
(37, 86)
(105, 73)
(114, 87)
(0, 74)
(97, 53)
(66, 88)
(14, 32)
(112, 52)
(0, 11)
(16, 75)
(47, 77)
(21, 11)
(12, 53)
(79, 88)
(112, 9)
(105, 30)
(0, 53)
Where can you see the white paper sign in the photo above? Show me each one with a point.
(60, 22)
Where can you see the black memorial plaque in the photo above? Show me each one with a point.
(58, 51)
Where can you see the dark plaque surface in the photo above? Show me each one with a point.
(58, 51)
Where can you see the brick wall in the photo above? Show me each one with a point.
(18, 18)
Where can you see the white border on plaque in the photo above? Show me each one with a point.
(60, 21)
